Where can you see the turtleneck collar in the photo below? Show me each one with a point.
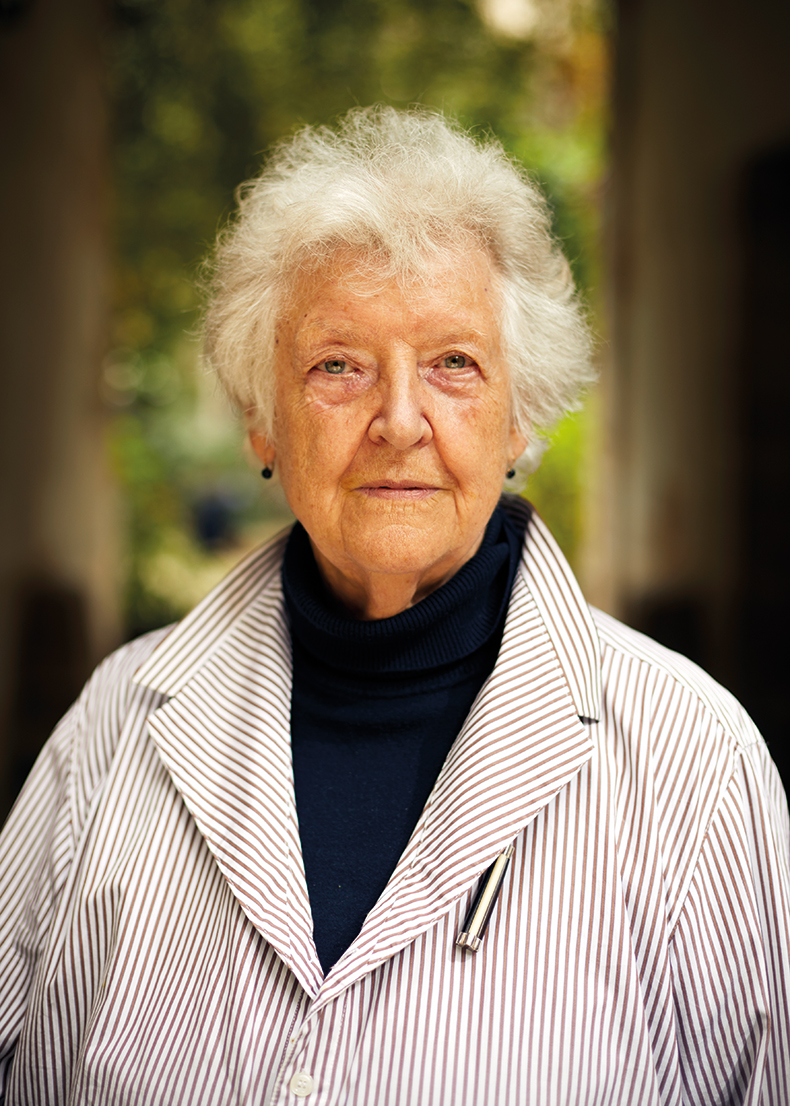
(446, 627)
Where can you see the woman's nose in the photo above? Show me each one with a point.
(400, 419)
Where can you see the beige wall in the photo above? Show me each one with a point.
(57, 503)
(700, 88)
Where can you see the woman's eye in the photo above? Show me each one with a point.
(455, 361)
(335, 367)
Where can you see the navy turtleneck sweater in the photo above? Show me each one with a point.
(375, 707)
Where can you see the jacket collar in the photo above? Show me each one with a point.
(553, 586)
(563, 609)
(224, 736)
(195, 640)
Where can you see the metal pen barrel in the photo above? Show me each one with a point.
(472, 934)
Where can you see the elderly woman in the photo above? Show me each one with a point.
(256, 861)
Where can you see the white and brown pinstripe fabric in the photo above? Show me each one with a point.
(155, 931)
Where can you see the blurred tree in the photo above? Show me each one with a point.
(201, 91)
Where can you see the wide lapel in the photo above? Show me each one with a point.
(524, 740)
(224, 737)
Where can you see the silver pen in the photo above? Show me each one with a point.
(471, 936)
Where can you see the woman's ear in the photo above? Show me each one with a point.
(259, 442)
(518, 442)
(264, 451)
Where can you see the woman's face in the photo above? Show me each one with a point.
(393, 425)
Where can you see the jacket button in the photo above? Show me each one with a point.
(301, 1084)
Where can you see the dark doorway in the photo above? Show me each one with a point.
(762, 648)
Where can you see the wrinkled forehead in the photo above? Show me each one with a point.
(466, 266)
(353, 302)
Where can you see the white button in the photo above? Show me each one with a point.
(301, 1084)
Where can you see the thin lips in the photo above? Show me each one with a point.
(399, 485)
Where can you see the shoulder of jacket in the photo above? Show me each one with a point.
(676, 742)
(673, 675)
(112, 678)
(95, 724)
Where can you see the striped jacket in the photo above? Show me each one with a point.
(155, 929)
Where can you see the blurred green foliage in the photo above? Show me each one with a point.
(201, 91)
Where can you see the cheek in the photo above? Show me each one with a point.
(477, 440)
(315, 451)
(330, 443)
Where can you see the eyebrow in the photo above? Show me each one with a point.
(330, 333)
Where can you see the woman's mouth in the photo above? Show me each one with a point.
(398, 490)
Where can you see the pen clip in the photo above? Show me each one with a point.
(471, 936)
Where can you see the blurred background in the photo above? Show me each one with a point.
(660, 130)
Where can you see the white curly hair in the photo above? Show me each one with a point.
(396, 186)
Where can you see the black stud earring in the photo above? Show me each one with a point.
(510, 473)
(266, 473)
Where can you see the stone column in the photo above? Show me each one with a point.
(59, 609)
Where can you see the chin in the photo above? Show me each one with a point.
(403, 550)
